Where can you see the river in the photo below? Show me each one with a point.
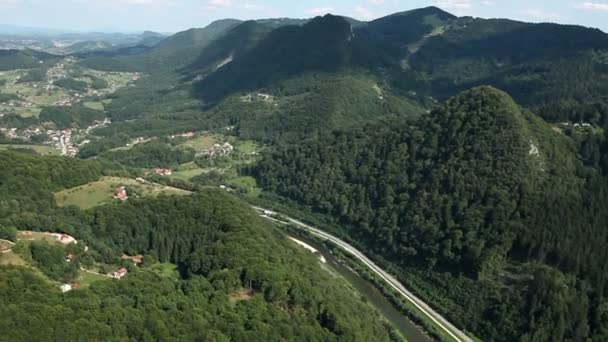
(398, 320)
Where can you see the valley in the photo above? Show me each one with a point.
(320, 179)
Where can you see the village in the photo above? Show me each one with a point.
(28, 97)
(68, 141)
(65, 240)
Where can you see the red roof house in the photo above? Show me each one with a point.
(120, 273)
(121, 194)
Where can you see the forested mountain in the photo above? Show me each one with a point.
(557, 70)
(229, 285)
(26, 59)
(468, 156)
(325, 44)
(489, 199)
(408, 59)
(222, 51)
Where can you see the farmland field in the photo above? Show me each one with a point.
(101, 192)
(11, 258)
(248, 184)
(204, 142)
(246, 146)
(97, 105)
(85, 279)
(40, 149)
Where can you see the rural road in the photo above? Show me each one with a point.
(438, 320)
(10, 243)
(64, 147)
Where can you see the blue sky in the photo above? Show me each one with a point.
(176, 15)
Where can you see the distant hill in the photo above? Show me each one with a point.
(325, 44)
(26, 59)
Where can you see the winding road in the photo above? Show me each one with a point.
(438, 320)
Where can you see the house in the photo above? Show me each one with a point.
(218, 150)
(65, 239)
(121, 194)
(65, 288)
(163, 172)
(120, 273)
(137, 259)
(70, 257)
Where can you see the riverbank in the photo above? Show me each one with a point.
(448, 330)
(399, 322)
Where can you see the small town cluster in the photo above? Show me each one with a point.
(68, 141)
(66, 239)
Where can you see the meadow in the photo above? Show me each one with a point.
(97, 193)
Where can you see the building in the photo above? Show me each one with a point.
(163, 172)
(121, 194)
(137, 259)
(70, 257)
(65, 239)
(120, 273)
(65, 288)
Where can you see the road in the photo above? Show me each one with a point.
(439, 321)
(10, 243)
(64, 147)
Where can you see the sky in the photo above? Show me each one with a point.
(178, 15)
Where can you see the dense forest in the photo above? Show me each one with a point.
(229, 285)
(481, 195)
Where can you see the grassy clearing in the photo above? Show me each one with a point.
(166, 270)
(246, 146)
(85, 279)
(240, 296)
(96, 105)
(37, 236)
(40, 149)
(203, 142)
(247, 183)
(11, 74)
(4, 246)
(25, 112)
(101, 192)
(188, 174)
(11, 258)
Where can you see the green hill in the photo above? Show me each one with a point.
(224, 282)
(556, 70)
(168, 55)
(232, 45)
(473, 203)
(325, 44)
(395, 32)
(23, 59)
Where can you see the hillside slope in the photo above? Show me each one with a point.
(482, 194)
(224, 283)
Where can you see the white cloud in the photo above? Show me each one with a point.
(361, 12)
(319, 10)
(213, 5)
(252, 7)
(459, 7)
(593, 6)
(540, 14)
(377, 2)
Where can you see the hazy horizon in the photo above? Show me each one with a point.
(169, 16)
